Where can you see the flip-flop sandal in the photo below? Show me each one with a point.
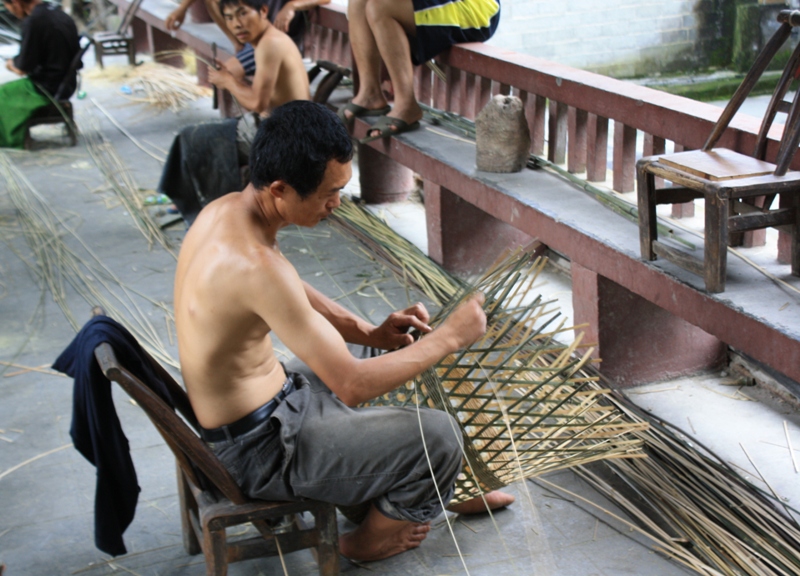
(357, 111)
(388, 126)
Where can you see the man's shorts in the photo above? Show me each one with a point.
(247, 58)
(442, 23)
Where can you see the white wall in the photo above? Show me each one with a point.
(603, 35)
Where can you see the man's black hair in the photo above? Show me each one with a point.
(295, 144)
(254, 4)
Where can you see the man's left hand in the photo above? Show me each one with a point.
(393, 333)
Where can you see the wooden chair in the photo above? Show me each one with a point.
(59, 111)
(731, 184)
(119, 42)
(210, 499)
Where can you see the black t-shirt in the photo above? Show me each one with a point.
(49, 44)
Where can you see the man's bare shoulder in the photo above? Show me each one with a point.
(276, 43)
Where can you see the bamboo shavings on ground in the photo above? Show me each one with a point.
(159, 85)
(58, 266)
(409, 264)
(122, 183)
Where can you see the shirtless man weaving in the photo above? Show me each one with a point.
(284, 436)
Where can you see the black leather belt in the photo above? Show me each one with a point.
(247, 423)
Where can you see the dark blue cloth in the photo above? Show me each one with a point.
(96, 430)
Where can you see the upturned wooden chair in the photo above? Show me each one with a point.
(120, 41)
(732, 184)
(210, 499)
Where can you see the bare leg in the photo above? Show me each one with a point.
(379, 537)
(391, 21)
(367, 57)
(494, 500)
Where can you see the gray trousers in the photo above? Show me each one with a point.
(314, 446)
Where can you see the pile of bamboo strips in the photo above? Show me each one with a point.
(159, 85)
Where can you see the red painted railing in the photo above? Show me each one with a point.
(569, 110)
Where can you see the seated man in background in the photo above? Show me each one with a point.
(285, 14)
(204, 161)
(283, 436)
(49, 44)
(402, 33)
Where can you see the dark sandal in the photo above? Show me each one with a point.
(357, 111)
(388, 126)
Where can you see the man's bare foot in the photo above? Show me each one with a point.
(379, 537)
(493, 500)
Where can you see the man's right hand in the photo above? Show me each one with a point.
(467, 322)
(175, 19)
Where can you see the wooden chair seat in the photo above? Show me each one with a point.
(210, 499)
(737, 189)
(52, 114)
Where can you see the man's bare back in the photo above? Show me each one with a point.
(226, 353)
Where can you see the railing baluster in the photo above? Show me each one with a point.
(423, 85)
(557, 133)
(624, 157)
(440, 90)
(469, 95)
(576, 149)
(484, 93)
(454, 90)
(597, 163)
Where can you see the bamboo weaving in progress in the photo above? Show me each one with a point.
(523, 403)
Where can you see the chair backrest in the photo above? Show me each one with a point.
(193, 455)
(84, 42)
(791, 132)
(127, 19)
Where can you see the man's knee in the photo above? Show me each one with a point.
(400, 10)
(442, 434)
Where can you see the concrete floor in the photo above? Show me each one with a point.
(47, 488)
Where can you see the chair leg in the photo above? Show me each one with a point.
(188, 506)
(716, 243)
(328, 547)
(215, 551)
(648, 230)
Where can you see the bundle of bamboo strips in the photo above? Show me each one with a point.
(57, 266)
(411, 267)
(695, 508)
